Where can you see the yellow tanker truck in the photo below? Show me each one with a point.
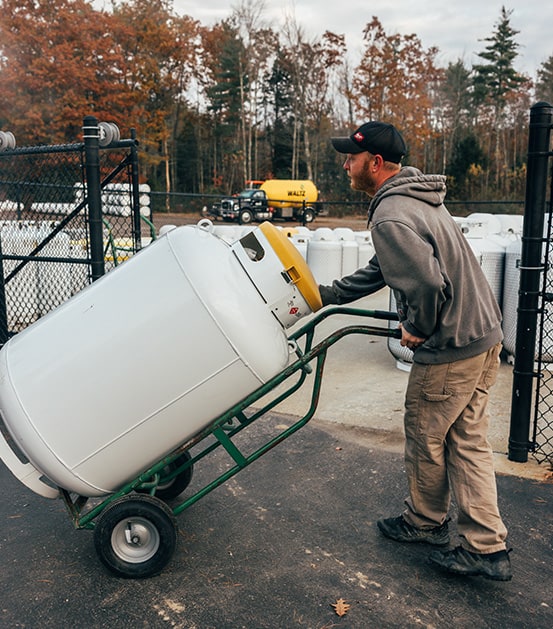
(293, 199)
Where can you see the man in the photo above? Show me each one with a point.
(450, 319)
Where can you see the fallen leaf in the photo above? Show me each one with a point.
(341, 607)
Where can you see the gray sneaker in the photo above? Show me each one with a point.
(496, 566)
(401, 531)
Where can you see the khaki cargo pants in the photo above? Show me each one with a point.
(446, 426)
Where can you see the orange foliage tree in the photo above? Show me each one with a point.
(394, 82)
(59, 62)
(62, 60)
(159, 51)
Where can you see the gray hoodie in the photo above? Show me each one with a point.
(441, 291)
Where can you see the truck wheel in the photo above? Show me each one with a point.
(136, 536)
(245, 217)
(308, 215)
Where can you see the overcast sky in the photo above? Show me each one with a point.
(455, 28)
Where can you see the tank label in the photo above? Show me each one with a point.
(293, 309)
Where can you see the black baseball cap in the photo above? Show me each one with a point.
(378, 138)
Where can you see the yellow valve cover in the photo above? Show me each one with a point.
(294, 265)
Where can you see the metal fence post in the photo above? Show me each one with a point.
(4, 333)
(91, 134)
(135, 192)
(531, 269)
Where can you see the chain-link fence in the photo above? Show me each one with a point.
(37, 190)
(47, 227)
(532, 394)
(542, 437)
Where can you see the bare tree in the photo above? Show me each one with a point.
(258, 50)
(311, 65)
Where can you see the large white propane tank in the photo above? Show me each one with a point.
(511, 286)
(300, 237)
(324, 255)
(511, 283)
(403, 355)
(146, 357)
(350, 250)
(366, 248)
(488, 251)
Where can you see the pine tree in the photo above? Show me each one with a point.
(454, 107)
(496, 83)
(544, 84)
(496, 78)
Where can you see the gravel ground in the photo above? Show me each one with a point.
(357, 223)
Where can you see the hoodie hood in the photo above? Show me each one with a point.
(412, 183)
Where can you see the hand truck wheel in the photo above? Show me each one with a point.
(167, 490)
(136, 536)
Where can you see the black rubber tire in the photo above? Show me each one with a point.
(246, 217)
(308, 215)
(136, 536)
(174, 487)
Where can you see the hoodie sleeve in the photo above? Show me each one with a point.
(412, 269)
(361, 283)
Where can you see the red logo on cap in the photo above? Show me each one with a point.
(293, 311)
(359, 137)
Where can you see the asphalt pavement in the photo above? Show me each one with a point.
(281, 542)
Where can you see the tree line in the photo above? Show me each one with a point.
(216, 106)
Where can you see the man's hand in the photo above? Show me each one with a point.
(408, 340)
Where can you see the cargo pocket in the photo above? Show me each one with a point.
(436, 397)
(435, 414)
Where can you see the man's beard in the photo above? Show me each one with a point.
(363, 182)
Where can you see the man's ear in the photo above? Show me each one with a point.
(377, 162)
